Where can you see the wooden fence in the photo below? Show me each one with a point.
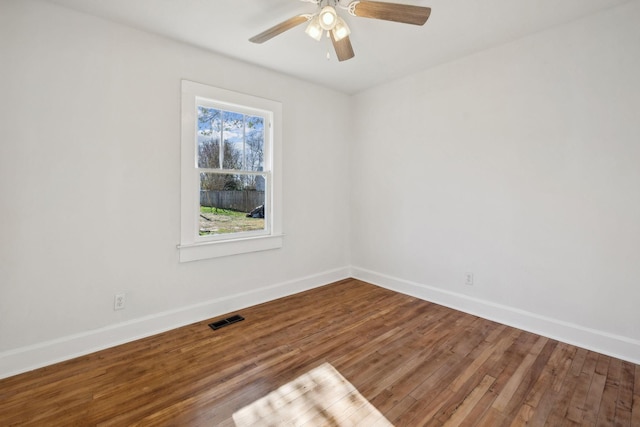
(242, 201)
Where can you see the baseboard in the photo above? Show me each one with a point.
(602, 342)
(25, 359)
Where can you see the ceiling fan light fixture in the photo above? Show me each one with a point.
(328, 18)
(341, 29)
(314, 30)
(325, 18)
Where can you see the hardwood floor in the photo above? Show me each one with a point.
(416, 362)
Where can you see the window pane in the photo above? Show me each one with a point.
(233, 136)
(254, 143)
(231, 203)
(242, 139)
(209, 127)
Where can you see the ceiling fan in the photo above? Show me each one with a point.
(326, 19)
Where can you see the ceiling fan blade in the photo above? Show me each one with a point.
(279, 29)
(405, 13)
(343, 48)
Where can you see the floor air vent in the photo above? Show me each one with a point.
(224, 322)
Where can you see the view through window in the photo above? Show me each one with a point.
(231, 153)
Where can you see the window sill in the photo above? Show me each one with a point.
(198, 251)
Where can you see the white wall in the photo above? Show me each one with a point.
(520, 164)
(89, 186)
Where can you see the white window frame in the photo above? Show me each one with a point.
(192, 246)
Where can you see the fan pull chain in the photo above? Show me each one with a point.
(328, 55)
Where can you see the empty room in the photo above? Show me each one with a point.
(319, 212)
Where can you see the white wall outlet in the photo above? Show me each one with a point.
(118, 301)
(468, 279)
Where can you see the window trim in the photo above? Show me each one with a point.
(192, 247)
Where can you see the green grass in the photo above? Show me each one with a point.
(225, 221)
(220, 211)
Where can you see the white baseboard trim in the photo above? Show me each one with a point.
(27, 358)
(591, 339)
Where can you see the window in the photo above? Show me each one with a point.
(230, 188)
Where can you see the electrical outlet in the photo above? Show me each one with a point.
(468, 279)
(118, 301)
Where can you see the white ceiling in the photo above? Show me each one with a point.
(384, 50)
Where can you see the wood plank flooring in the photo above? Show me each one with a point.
(417, 363)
